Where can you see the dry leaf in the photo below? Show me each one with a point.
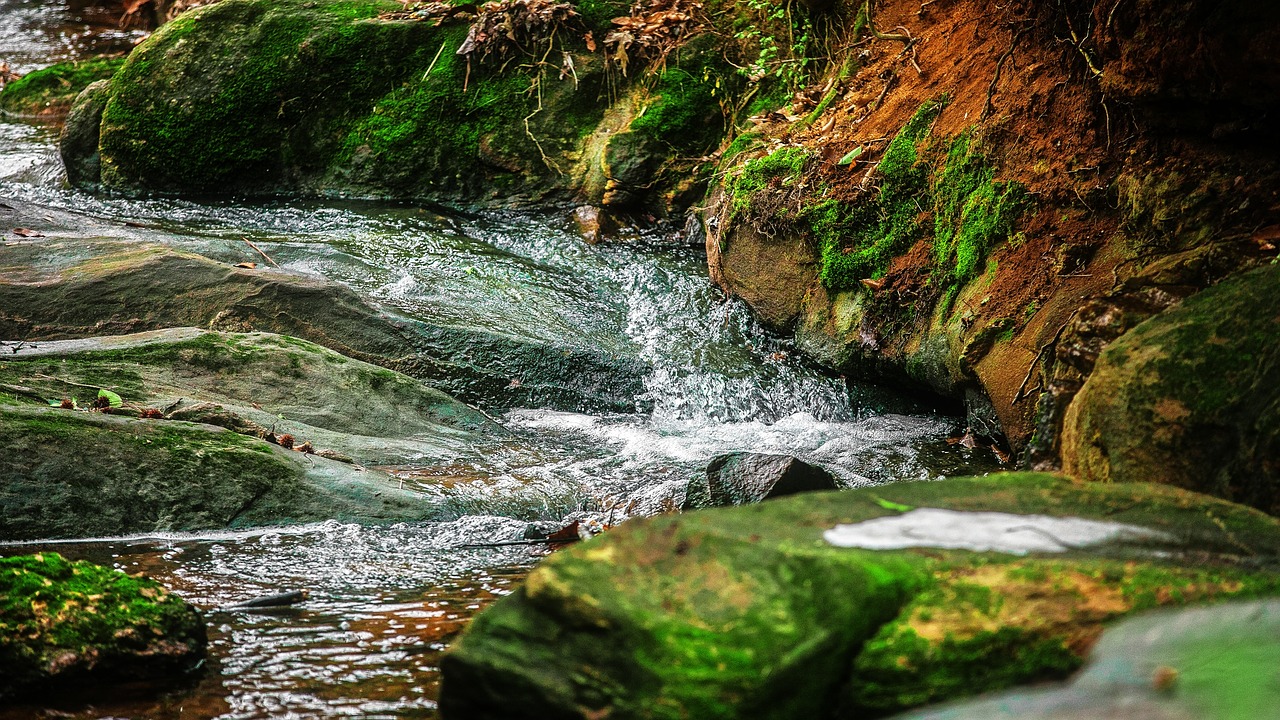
(247, 265)
(27, 233)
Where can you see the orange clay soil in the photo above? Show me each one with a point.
(1115, 187)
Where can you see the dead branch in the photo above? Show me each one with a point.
(902, 38)
(255, 247)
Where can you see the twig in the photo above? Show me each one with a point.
(1039, 354)
(255, 247)
(432, 66)
(995, 79)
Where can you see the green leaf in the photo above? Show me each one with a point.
(890, 505)
(850, 156)
(113, 399)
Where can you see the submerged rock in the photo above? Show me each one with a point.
(749, 612)
(1190, 398)
(70, 626)
(1212, 662)
(65, 288)
(742, 478)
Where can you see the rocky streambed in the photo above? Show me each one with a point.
(218, 373)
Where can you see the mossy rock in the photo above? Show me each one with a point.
(1190, 397)
(47, 94)
(74, 288)
(749, 612)
(257, 96)
(67, 625)
(256, 383)
(70, 473)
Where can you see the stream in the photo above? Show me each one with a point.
(385, 601)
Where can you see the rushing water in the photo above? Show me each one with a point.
(384, 601)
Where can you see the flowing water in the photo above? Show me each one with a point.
(384, 601)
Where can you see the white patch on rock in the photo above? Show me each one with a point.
(983, 532)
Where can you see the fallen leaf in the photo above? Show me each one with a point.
(27, 233)
(247, 265)
(873, 284)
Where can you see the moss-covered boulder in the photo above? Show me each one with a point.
(1190, 398)
(256, 96)
(753, 612)
(67, 625)
(67, 287)
(507, 102)
(258, 384)
(48, 94)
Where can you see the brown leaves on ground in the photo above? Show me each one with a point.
(27, 233)
(652, 30)
(505, 28)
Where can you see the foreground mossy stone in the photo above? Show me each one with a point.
(1206, 662)
(79, 474)
(47, 94)
(254, 384)
(1190, 398)
(748, 612)
(63, 288)
(65, 625)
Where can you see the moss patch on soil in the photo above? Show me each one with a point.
(63, 621)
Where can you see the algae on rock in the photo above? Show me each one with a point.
(65, 625)
(747, 612)
(1190, 397)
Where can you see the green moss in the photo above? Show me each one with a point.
(686, 114)
(597, 14)
(898, 669)
(58, 613)
(781, 168)
(236, 77)
(973, 212)
(56, 85)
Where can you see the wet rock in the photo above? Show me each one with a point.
(68, 627)
(743, 478)
(256, 384)
(750, 612)
(71, 473)
(1213, 662)
(72, 288)
(78, 144)
(1189, 398)
(594, 224)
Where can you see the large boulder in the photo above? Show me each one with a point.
(68, 625)
(1190, 397)
(741, 478)
(926, 591)
(67, 287)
